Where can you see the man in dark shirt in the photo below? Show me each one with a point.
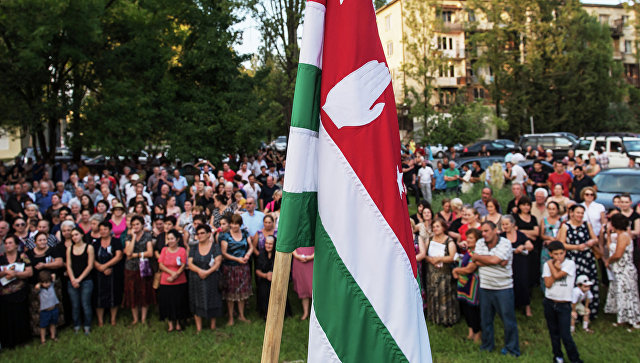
(262, 177)
(15, 203)
(580, 181)
(266, 195)
(476, 172)
(409, 177)
(537, 177)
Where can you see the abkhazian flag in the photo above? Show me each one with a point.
(343, 193)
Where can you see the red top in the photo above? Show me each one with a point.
(564, 179)
(173, 261)
(228, 175)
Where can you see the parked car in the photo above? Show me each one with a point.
(101, 160)
(494, 147)
(485, 161)
(280, 144)
(62, 154)
(612, 182)
(558, 142)
(618, 146)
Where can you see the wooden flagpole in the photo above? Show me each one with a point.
(277, 305)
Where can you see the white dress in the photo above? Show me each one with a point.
(622, 298)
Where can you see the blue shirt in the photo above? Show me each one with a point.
(66, 197)
(254, 222)
(180, 183)
(439, 176)
(43, 201)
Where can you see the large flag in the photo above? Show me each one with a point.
(343, 193)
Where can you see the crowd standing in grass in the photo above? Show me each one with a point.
(149, 241)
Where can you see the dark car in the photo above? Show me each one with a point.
(485, 161)
(494, 147)
(612, 182)
(558, 142)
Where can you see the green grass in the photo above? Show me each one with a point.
(243, 342)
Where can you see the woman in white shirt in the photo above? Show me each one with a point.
(594, 212)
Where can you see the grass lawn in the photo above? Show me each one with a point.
(243, 342)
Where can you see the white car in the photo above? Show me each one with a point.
(280, 144)
(618, 146)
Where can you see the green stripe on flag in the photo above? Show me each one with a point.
(350, 323)
(297, 223)
(306, 99)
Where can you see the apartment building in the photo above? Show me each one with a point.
(623, 35)
(457, 74)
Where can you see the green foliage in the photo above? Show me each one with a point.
(550, 60)
(469, 122)
(279, 22)
(128, 75)
(379, 3)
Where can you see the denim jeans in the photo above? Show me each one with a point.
(81, 301)
(180, 199)
(500, 301)
(558, 316)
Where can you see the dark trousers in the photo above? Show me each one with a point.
(558, 316)
(501, 302)
(471, 315)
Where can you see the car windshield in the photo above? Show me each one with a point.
(632, 145)
(612, 183)
(281, 139)
(584, 145)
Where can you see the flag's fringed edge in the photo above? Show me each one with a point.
(366, 198)
(353, 300)
(318, 335)
(410, 350)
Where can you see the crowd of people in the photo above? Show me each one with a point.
(89, 243)
(86, 242)
(479, 259)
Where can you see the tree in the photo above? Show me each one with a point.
(279, 22)
(45, 49)
(470, 122)
(422, 62)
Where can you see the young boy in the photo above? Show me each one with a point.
(559, 275)
(48, 305)
(581, 298)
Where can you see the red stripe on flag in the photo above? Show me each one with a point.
(373, 150)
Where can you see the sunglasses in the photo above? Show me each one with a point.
(19, 224)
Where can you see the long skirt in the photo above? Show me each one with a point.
(173, 302)
(138, 291)
(237, 282)
(302, 273)
(14, 319)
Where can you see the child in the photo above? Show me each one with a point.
(580, 300)
(467, 277)
(559, 275)
(48, 305)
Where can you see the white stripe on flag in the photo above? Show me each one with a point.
(313, 34)
(320, 350)
(302, 156)
(370, 250)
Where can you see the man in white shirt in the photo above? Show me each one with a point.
(244, 171)
(559, 274)
(494, 256)
(518, 175)
(252, 219)
(425, 180)
(252, 188)
(258, 164)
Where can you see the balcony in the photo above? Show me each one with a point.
(457, 53)
(448, 27)
(618, 55)
(617, 28)
(452, 82)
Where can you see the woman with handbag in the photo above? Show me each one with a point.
(138, 276)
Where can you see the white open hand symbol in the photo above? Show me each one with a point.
(349, 102)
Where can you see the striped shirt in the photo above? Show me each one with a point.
(496, 277)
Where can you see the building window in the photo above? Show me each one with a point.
(627, 47)
(625, 19)
(447, 16)
(387, 22)
(445, 43)
(390, 48)
(452, 70)
(478, 93)
(603, 18)
(451, 43)
(472, 15)
(447, 70)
